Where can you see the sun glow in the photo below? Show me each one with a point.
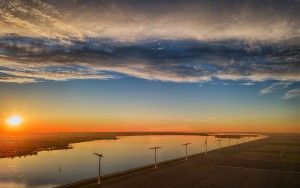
(14, 120)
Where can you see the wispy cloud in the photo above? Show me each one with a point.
(274, 87)
(15, 72)
(292, 94)
(35, 19)
(171, 19)
(23, 80)
(248, 83)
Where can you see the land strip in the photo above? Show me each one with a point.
(255, 164)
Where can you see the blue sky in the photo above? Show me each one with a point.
(131, 99)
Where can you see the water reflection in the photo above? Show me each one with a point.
(50, 168)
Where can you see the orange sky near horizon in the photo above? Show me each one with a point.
(31, 125)
(38, 119)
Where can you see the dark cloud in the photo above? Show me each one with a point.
(166, 60)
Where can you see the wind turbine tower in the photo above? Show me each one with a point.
(155, 148)
(99, 169)
(186, 150)
(205, 143)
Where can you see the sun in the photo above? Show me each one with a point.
(14, 120)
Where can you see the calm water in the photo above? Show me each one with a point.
(51, 168)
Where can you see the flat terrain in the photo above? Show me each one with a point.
(270, 162)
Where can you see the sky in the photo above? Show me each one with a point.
(157, 65)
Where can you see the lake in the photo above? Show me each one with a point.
(52, 168)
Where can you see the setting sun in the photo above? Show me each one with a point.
(14, 120)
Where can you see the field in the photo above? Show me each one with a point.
(271, 162)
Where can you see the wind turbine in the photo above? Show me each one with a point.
(59, 169)
(186, 150)
(219, 144)
(99, 171)
(205, 143)
(155, 148)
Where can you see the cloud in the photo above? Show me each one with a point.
(15, 72)
(35, 18)
(168, 19)
(17, 80)
(173, 19)
(274, 87)
(248, 83)
(292, 94)
(176, 41)
(164, 60)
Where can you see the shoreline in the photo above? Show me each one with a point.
(13, 146)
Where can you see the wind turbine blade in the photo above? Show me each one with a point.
(155, 148)
(99, 155)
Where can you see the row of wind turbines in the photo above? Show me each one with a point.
(100, 156)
